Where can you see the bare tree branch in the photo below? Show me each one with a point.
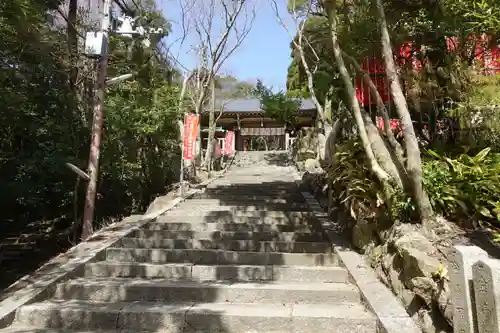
(219, 28)
(300, 23)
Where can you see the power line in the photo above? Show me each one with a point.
(123, 7)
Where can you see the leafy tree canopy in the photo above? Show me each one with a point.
(278, 105)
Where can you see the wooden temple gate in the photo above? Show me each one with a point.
(253, 130)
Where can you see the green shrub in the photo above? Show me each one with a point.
(352, 183)
(465, 186)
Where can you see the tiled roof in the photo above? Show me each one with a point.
(253, 105)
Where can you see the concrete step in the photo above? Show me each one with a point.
(269, 190)
(220, 257)
(133, 289)
(234, 195)
(31, 329)
(230, 245)
(216, 206)
(272, 188)
(251, 175)
(229, 218)
(228, 226)
(228, 212)
(231, 235)
(251, 180)
(239, 201)
(201, 317)
(326, 274)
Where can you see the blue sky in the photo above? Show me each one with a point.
(265, 53)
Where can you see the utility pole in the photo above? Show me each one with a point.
(97, 124)
(96, 44)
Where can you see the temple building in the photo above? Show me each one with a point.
(253, 130)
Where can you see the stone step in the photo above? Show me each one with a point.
(326, 274)
(261, 188)
(231, 235)
(235, 195)
(220, 257)
(228, 212)
(133, 290)
(228, 219)
(31, 329)
(252, 194)
(7, 245)
(252, 184)
(230, 245)
(250, 173)
(217, 206)
(228, 226)
(198, 317)
(242, 204)
(243, 200)
(246, 177)
(269, 190)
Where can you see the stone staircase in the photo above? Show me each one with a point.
(30, 244)
(245, 256)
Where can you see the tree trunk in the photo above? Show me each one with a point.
(180, 124)
(414, 163)
(380, 107)
(381, 175)
(382, 152)
(310, 78)
(325, 148)
(73, 46)
(331, 133)
(211, 132)
(199, 110)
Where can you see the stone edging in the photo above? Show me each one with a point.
(391, 315)
(40, 284)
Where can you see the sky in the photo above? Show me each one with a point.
(264, 55)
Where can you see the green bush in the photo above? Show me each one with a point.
(465, 186)
(353, 185)
(46, 124)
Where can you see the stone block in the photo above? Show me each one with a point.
(461, 259)
(425, 288)
(486, 281)
(415, 251)
(132, 290)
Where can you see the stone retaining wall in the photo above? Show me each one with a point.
(444, 288)
(457, 291)
(405, 259)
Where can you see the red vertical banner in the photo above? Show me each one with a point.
(228, 144)
(190, 133)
